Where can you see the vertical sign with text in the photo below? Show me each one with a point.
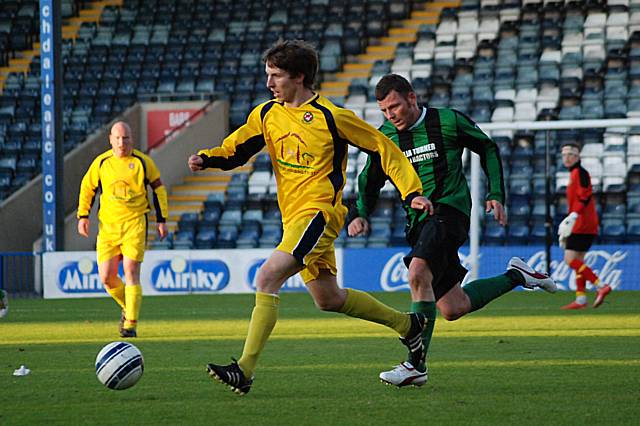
(48, 131)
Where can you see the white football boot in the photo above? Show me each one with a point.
(404, 375)
(533, 279)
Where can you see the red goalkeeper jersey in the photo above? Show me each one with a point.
(580, 200)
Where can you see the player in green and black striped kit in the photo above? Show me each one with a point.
(433, 140)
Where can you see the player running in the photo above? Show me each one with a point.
(307, 138)
(433, 140)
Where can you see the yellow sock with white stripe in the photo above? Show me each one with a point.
(263, 319)
(117, 292)
(133, 297)
(364, 306)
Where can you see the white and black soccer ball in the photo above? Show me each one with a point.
(119, 365)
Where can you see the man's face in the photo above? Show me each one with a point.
(120, 140)
(401, 111)
(570, 156)
(282, 85)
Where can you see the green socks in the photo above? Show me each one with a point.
(429, 310)
(483, 291)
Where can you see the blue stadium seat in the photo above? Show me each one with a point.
(518, 234)
(250, 235)
(633, 232)
(398, 237)
(188, 222)
(206, 238)
(380, 235)
(231, 217)
(227, 236)
(183, 240)
(271, 235)
(519, 207)
(494, 234)
(613, 233)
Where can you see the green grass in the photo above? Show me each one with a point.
(519, 361)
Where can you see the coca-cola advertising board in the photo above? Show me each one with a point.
(383, 269)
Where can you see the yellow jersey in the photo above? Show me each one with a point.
(123, 186)
(308, 149)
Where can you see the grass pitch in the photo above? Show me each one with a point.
(518, 361)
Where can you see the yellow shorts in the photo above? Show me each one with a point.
(127, 238)
(309, 238)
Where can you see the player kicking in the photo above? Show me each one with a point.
(433, 139)
(122, 175)
(307, 138)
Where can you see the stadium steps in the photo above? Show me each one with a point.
(384, 48)
(190, 195)
(70, 27)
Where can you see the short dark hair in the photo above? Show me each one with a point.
(572, 143)
(295, 57)
(393, 82)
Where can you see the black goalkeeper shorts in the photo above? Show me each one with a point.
(580, 242)
(437, 240)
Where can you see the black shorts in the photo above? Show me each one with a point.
(580, 242)
(437, 240)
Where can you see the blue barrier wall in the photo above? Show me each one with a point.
(383, 269)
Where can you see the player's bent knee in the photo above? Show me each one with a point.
(453, 313)
(451, 316)
(328, 305)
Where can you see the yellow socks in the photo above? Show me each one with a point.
(263, 319)
(364, 306)
(117, 293)
(133, 297)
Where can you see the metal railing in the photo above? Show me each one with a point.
(17, 275)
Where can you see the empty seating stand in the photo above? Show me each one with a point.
(495, 60)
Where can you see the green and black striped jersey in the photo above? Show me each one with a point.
(434, 146)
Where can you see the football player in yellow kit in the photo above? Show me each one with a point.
(122, 175)
(307, 139)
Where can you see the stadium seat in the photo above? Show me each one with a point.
(227, 236)
(205, 239)
(380, 235)
(518, 233)
(613, 232)
(494, 234)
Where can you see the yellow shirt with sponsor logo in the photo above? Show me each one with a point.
(123, 186)
(308, 149)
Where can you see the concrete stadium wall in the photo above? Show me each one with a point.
(21, 213)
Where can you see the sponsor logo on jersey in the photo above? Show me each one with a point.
(293, 155)
(421, 153)
(180, 275)
(307, 117)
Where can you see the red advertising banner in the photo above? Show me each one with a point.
(161, 123)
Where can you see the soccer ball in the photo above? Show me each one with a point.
(119, 365)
